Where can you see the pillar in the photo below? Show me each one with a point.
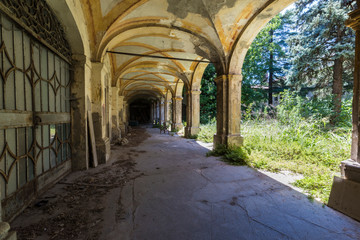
(177, 113)
(126, 115)
(228, 110)
(152, 113)
(115, 128)
(167, 111)
(355, 146)
(157, 112)
(80, 103)
(162, 111)
(192, 113)
(102, 142)
(345, 194)
(121, 115)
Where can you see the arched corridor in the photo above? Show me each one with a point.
(76, 75)
(168, 189)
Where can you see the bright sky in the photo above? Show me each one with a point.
(291, 6)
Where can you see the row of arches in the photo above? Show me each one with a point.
(150, 50)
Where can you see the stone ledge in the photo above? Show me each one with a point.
(344, 197)
(4, 232)
(350, 170)
(4, 229)
(11, 236)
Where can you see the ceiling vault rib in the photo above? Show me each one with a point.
(146, 80)
(162, 57)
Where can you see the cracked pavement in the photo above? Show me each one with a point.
(169, 189)
(185, 195)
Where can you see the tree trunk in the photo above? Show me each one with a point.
(271, 70)
(337, 88)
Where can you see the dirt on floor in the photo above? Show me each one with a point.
(73, 208)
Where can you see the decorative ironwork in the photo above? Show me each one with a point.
(34, 81)
(37, 15)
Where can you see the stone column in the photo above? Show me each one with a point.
(345, 194)
(177, 113)
(151, 113)
(228, 110)
(354, 22)
(80, 103)
(193, 113)
(167, 104)
(126, 115)
(154, 112)
(162, 111)
(157, 112)
(166, 110)
(121, 115)
(116, 132)
(102, 142)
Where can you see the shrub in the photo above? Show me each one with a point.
(234, 155)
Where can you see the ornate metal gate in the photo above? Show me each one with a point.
(34, 109)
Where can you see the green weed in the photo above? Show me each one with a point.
(233, 155)
(295, 140)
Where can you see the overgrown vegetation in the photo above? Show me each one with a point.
(293, 139)
(208, 95)
(234, 155)
(309, 51)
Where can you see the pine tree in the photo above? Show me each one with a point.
(208, 95)
(264, 62)
(322, 48)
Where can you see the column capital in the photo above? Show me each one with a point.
(177, 98)
(225, 77)
(195, 92)
(79, 58)
(354, 20)
(97, 66)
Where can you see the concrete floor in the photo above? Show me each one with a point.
(175, 192)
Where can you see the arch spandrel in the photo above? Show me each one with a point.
(248, 33)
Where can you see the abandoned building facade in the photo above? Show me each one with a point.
(72, 69)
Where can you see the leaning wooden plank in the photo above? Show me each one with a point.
(92, 139)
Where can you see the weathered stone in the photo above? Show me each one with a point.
(344, 197)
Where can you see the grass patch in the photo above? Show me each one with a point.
(306, 148)
(233, 155)
(195, 136)
(207, 132)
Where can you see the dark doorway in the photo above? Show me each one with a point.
(140, 112)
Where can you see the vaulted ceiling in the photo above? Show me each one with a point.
(219, 31)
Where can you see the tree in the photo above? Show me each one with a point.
(322, 48)
(264, 62)
(208, 95)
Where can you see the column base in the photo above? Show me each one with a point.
(122, 127)
(103, 150)
(345, 191)
(232, 140)
(176, 127)
(116, 135)
(4, 232)
(191, 131)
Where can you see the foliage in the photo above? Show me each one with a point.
(207, 131)
(265, 61)
(208, 95)
(195, 136)
(322, 49)
(299, 139)
(234, 155)
(294, 108)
